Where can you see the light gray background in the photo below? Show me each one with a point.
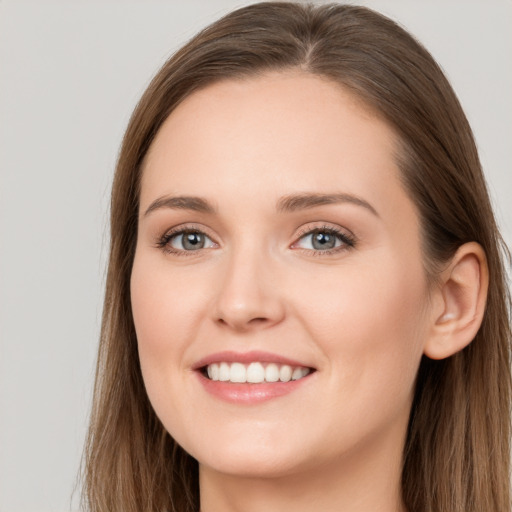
(70, 74)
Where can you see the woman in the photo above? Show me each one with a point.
(306, 304)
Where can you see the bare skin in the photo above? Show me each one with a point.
(350, 305)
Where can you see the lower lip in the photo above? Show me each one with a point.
(248, 393)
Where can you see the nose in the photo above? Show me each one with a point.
(249, 296)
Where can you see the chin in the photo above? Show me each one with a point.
(248, 456)
(253, 465)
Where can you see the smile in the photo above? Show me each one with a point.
(251, 377)
(254, 372)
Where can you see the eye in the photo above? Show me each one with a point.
(324, 240)
(185, 240)
(189, 241)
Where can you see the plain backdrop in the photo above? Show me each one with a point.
(70, 75)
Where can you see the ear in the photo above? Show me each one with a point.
(458, 302)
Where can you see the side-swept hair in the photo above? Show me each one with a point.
(457, 452)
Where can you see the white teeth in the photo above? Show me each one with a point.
(285, 373)
(255, 372)
(224, 372)
(213, 371)
(272, 373)
(298, 373)
(238, 373)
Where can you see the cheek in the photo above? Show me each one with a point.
(164, 305)
(385, 299)
(164, 309)
(369, 321)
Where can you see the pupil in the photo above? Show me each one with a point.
(193, 241)
(322, 240)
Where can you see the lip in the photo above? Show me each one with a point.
(249, 393)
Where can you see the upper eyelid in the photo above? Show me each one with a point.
(346, 236)
(310, 227)
(304, 230)
(163, 242)
(183, 228)
(164, 239)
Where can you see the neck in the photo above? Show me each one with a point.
(367, 479)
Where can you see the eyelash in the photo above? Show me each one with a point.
(164, 242)
(348, 241)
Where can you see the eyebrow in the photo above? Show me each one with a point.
(289, 203)
(296, 202)
(196, 204)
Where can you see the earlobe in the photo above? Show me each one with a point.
(460, 299)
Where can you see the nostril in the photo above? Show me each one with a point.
(245, 324)
(258, 320)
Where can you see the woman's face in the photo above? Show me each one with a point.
(276, 243)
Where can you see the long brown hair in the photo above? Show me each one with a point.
(457, 453)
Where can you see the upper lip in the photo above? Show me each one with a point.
(229, 356)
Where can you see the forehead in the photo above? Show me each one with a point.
(278, 132)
